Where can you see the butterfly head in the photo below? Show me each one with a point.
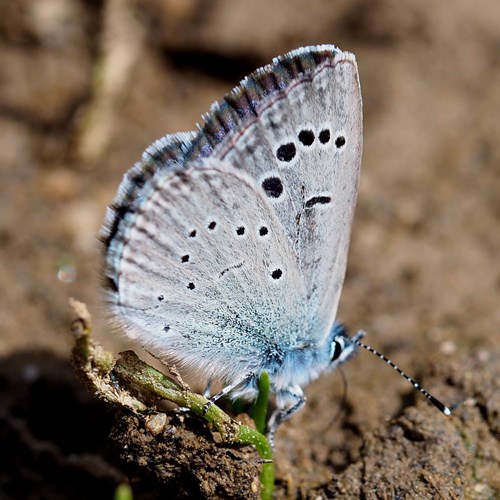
(342, 347)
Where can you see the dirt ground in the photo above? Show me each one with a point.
(86, 86)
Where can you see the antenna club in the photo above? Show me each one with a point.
(440, 406)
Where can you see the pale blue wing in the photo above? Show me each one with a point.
(278, 157)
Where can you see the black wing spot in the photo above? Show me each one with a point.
(340, 141)
(273, 187)
(192, 234)
(306, 137)
(324, 136)
(240, 231)
(191, 286)
(161, 298)
(286, 152)
(185, 258)
(166, 328)
(212, 225)
(322, 200)
(276, 274)
(263, 231)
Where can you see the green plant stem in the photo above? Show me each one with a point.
(131, 369)
(259, 408)
(120, 381)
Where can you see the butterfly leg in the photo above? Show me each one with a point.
(226, 390)
(289, 402)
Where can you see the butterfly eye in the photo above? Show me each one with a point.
(337, 348)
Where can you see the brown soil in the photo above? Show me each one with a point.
(86, 86)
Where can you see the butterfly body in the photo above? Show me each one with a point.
(226, 248)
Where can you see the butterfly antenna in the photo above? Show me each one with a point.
(440, 406)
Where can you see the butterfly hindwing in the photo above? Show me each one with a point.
(207, 272)
(303, 149)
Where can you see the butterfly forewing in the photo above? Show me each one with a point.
(303, 151)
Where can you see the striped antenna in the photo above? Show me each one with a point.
(440, 406)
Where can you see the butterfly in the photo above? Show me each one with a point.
(225, 249)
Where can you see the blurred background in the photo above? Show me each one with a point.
(86, 86)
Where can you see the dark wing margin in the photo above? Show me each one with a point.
(165, 153)
(241, 104)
